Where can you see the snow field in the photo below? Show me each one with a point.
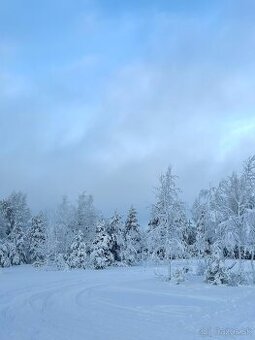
(118, 304)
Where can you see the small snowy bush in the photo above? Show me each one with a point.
(180, 275)
(60, 262)
(237, 279)
(38, 264)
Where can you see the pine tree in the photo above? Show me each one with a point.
(77, 256)
(101, 255)
(132, 239)
(37, 239)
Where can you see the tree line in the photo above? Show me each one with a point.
(219, 226)
(74, 237)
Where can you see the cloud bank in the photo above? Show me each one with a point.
(103, 98)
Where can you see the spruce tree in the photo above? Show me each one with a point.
(101, 255)
(115, 229)
(77, 256)
(132, 239)
(37, 239)
(5, 260)
(18, 246)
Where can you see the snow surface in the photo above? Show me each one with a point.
(118, 303)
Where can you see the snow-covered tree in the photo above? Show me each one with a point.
(166, 236)
(189, 237)
(77, 256)
(231, 204)
(18, 245)
(14, 212)
(63, 227)
(85, 217)
(200, 212)
(249, 221)
(248, 176)
(5, 260)
(37, 239)
(203, 219)
(101, 255)
(152, 237)
(224, 217)
(3, 225)
(115, 229)
(132, 252)
(216, 272)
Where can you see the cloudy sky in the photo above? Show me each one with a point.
(103, 95)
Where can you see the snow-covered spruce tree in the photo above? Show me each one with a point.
(152, 237)
(37, 239)
(145, 251)
(3, 225)
(18, 246)
(85, 218)
(166, 237)
(132, 252)
(101, 255)
(115, 228)
(14, 212)
(77, 256)
(189, 236)
(5, 260)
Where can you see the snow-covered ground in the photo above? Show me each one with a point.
(119, 303)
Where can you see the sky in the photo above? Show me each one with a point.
(103, 95)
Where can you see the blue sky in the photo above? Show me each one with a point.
(103, 95)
